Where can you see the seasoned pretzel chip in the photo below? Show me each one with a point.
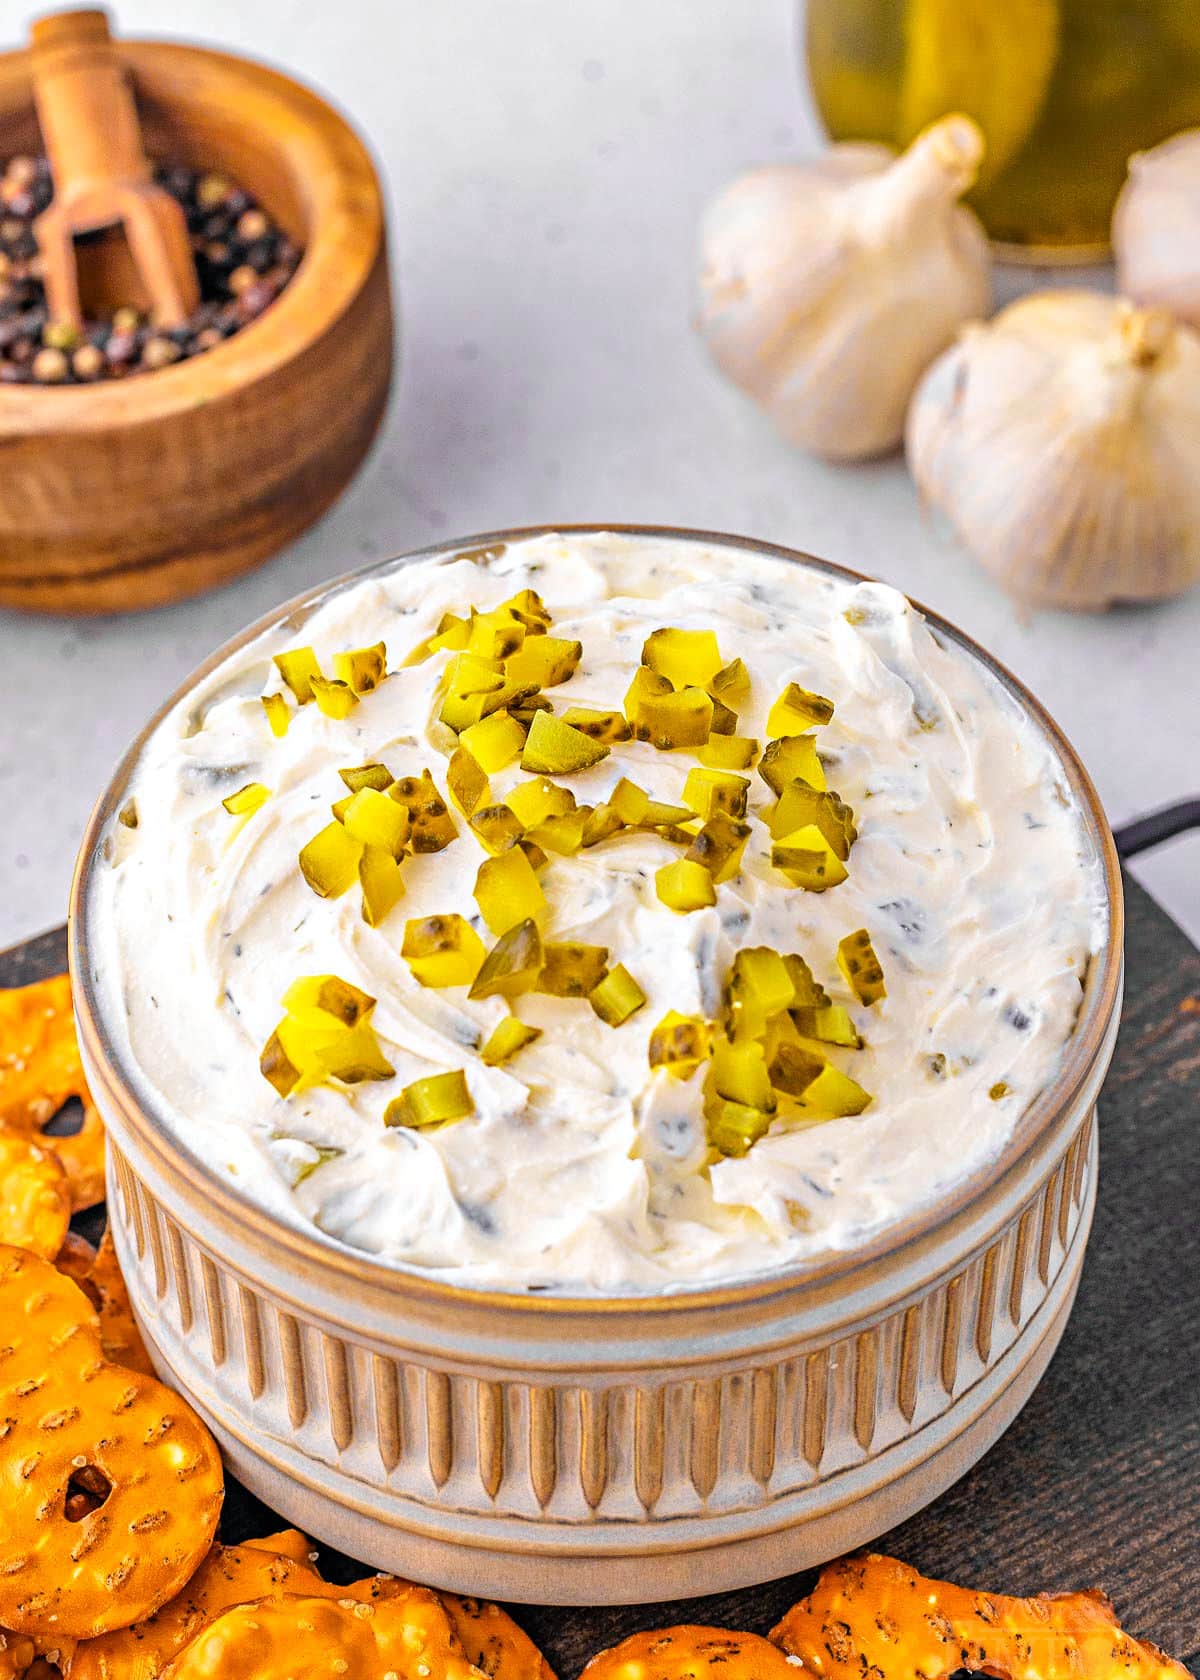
(691, 1653)
(110, 1486)
(876, 1616)
(229, 1576)
(35, 1203)
(98, 1274)
(40, 1072)
(17, 1654)
(287, 1542)
(493, 1641)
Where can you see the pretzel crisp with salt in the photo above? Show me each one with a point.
(110, 1485)
(40, 1072)
(35, 1201)
(691, 1653)
(874, 1616)
(98, 1274)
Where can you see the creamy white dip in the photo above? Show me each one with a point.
(580, 1169)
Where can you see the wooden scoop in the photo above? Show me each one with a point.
(102, 180)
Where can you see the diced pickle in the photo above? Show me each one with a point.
(359, 776)
(669, 721)
(830, 1024)
(354, 1057)
(646, 685)
(533, 851)
(861, 967)
(554, 748)
(808, 860)
(362, 669)
(728, 752)
(508, 1037)
(562, 834)
(658, 814)
(719, 846)
(796, 710)
(629, 801)
(680, 1043)
(571, 970)
(732, 682)
(807, 992)
(495, 634)
(512, 965)
(834, 1094)
(377, 820)
(534, 801)
(508, 891)
(528, 606)
(279, 714)
(466, 781)
(127, 816)
(459, 711)
(494, 741)
(800, 804)
(340, 807)
(247, 800)
(438, 1100)
(687, 658)
(784, 761)
(759, 986)
(617, 996)
(525, 708)
(738, 1073)
(734, 1128)
(543, 662)
(602, 824)
(276, 1068)
(328, 995)
(329, 862)
(442, 950)
(468, 673)
(685, 886)
(600, 726)
(793, 1069)
(382, 882)
(724, 719)
(298, 667)
(336, 699)
(707, 791)
(432, 825)
(497, 827)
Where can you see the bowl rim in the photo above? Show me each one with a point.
(308, 1244)
(345, 210)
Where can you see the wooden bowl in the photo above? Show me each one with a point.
(137, 492)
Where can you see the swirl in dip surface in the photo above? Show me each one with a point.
(581, 1169)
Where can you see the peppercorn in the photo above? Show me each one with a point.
(126, 320)
(158, 352)
(252, 224)
(87, 362)
(210, 190)
(50, 366)
(60, 335)
(242, 278)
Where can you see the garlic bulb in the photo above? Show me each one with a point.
(1062, 440)
(1156, 227)
(827, 288)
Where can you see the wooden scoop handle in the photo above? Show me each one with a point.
(85, 106)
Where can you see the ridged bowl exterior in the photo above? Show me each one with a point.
(607, 1450)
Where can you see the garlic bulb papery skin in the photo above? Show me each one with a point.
(1156, 227)
(1062, 440)
(827, 288)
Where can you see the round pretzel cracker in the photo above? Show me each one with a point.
(691, 1653)
(229, 1576)
(493, 1641)
(35, 1202)
(110, 1484)
(98, 1274)
(40, 1071)
(876, 1615)
(286, 1542)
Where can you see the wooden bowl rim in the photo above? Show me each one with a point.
(347, 219)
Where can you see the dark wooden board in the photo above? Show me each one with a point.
(1098, 1481)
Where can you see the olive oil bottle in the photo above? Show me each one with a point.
(1064, 90)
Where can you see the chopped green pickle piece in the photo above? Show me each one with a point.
(533, 852)
(732, 682)
(828, 1025)
(377, 820)
(466, 781)
(512, 965)
(680, 1043)
(127, 816)
(298, 667)
(808, 860)
(602, 824)
(340, 807)
(759, 986)
(442, 950)
(794, 757)
(247, 800)
(536, 800)
(668, 721)
(617, 996)
(571, 970)
(800, 804)
(834, 1095)
(326, 1034)
(793, 1069)
(687, 658)
(685, 886)
(719, 846)
(527, 606)
(276, 1069)
(543, 662)
(508, 891)
(359, 776)
(554, 748)
(738, 1073)
(646, 685)
(497, 827)
(354, 1057)
(629, 801)
(438, 1100)
(600, 726)
(335, 698)
(862, 969)
(707, 791)
(808, 993)
(279, 714)
(562, 834)
(658, 814)
(328, 994)
(734, 1128)
(796, 710)
(494, 741)
(432, 825)
(495, 634)
(509, 1036)
(382, 882)
(361, 669)
(728, 752)
(467, 674)
(999, 1090)
(724, 721)
(329, 862)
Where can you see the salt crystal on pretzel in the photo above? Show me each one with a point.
(40, 1072)
(874, 1615)
(110, 1485)
(691, 1653)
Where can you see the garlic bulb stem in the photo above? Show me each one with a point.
(941, 164)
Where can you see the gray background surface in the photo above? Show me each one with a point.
(545, 168)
